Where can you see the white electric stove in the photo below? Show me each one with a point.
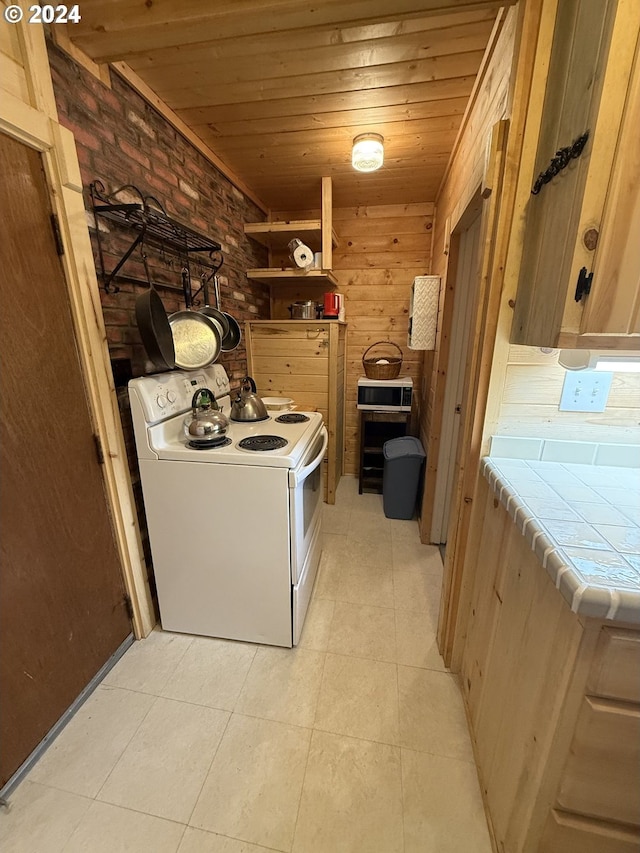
(234, 532)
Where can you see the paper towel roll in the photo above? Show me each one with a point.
(301, 255)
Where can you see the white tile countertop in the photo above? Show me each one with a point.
(581, 519)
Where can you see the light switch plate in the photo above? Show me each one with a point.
(585, 391)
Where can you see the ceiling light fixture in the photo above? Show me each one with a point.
(368, 152)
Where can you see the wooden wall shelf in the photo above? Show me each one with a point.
(276, 235)
(318, 234)
(292, 276)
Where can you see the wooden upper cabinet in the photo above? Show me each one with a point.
(587, 217)
(318, 234)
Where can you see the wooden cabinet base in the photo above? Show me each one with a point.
(569, 833)
(555, 728)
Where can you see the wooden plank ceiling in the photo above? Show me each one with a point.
(279, 88)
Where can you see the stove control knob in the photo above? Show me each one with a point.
(171, 396)
(161, 401)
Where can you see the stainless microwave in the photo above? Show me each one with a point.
(385, 395)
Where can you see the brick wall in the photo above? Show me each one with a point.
(122, 140)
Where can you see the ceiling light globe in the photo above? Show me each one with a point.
(368, 152)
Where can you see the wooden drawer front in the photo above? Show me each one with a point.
(602, 775)
(566, 833)
(616, 665)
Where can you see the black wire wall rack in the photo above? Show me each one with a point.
(154, 228)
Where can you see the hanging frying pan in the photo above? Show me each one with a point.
(154, 327)
(212, 312)
(196, 338)
(232, 339)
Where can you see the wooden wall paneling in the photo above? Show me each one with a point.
(287, 116)
(466, 169)
(479, 90)
(12, 71)
(427, 99)
(534, 103)
(524, 38)
(437, 67)
(527, 403)
(432, 415)
(122, 30)
(326, 215)
(377, 289)
(301, 360)
(476, 375)
(463, 175)
(244, 85)
(314, 52)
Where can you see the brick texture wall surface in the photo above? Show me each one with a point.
(122, 140)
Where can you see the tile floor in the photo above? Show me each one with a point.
(354, 742)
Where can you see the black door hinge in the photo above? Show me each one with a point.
(583, 287)
(128, 605)
(57, 234)
(99, 450)
(560, 161)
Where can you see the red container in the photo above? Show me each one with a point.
(331, 306)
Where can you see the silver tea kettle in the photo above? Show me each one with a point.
(206, 424)
(248, 406)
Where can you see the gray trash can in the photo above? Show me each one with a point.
(403, 460)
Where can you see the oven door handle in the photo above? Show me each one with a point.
(296, 477)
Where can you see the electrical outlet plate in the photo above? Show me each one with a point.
(585, 391)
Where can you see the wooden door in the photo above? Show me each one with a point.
(463, 301)
(62, 604)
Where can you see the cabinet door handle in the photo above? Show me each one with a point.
(583, 287)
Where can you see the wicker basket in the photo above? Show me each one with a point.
(389, 369)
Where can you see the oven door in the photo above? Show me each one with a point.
(305, 503)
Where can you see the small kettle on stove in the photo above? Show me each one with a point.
(206, 425)
(248, 406)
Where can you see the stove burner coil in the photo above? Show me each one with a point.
(292, 418)
(209, 445)
(263, 442)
